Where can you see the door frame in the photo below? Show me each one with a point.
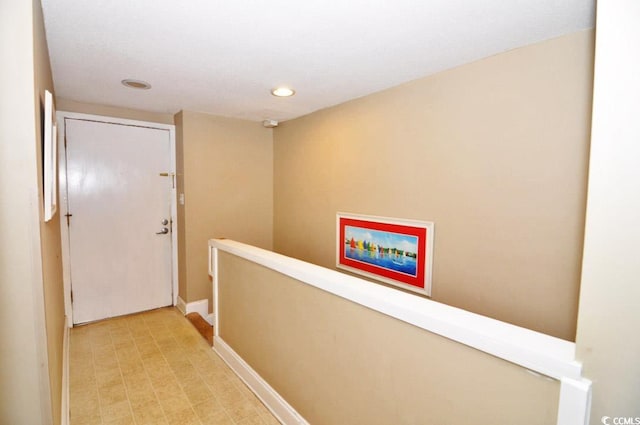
(62, 116)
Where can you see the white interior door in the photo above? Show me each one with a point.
(120, 261)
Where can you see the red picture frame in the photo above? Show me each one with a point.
(394, 251)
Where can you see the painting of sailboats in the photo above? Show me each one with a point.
(391, 250)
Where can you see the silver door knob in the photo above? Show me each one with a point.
(163, 231)
(164, 222)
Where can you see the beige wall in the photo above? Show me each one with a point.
(494, 152)
(112, 111)
(227, 178)
(609, 319)
(49, 233)
(30, 271)
(337, 362)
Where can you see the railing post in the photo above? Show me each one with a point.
(213, 272)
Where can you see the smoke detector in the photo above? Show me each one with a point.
(269, 123)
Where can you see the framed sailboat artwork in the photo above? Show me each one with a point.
(395, 251)
(49, 157)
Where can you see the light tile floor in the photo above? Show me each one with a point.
(154, 368)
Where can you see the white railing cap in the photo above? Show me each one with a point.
(533, 350)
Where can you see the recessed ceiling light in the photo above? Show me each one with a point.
(136, 84)
(283, 92)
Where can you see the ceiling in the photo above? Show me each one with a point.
(223, 57)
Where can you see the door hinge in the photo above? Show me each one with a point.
(68, 216)
(72, 296)
(173, 178)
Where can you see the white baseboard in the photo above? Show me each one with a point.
(282, 410)
(181, 305)
(64, 415)
(201, 307)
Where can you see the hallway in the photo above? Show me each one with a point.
(154, 368)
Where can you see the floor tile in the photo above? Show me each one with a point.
(119, 420)
(148, 413)
(154, 368)
(218, 418)
(241, 410)
(184, 416)
(93, 419)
